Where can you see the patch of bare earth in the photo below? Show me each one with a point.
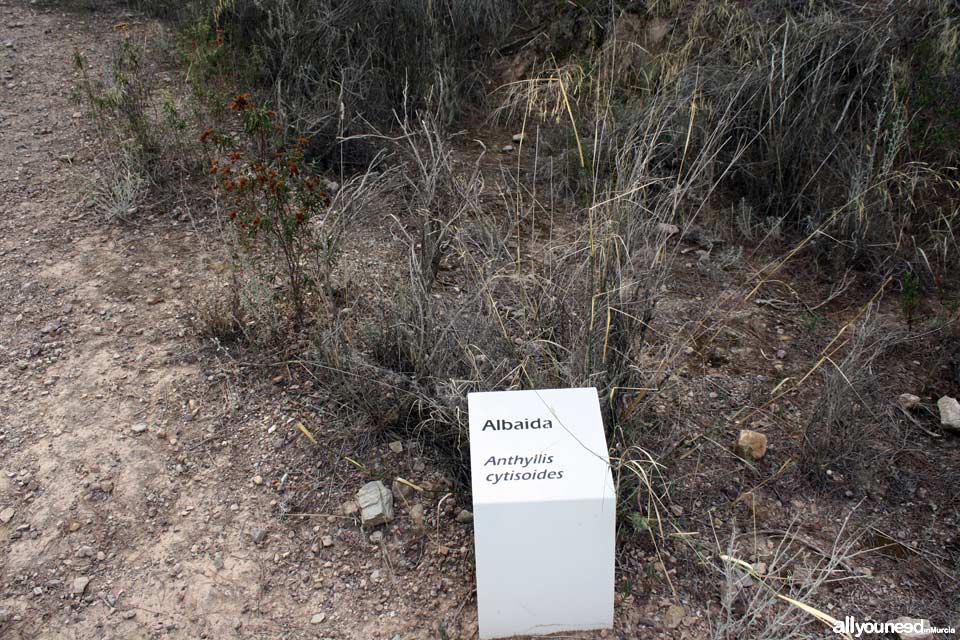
(126, 469)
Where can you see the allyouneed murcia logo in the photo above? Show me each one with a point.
(908, 627)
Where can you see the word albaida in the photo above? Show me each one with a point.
(517, 425)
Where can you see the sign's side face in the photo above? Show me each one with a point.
(538, 445)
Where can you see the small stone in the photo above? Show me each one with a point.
(376, 504)
(7, 515)
(668, 229)
(258, 480)
(326, 541)
(79, 586)
(507, 148)
(417, 516)
(517, 138)
(752, 444)
(106, 486)
(258, 535)
(86, 552)
(350, 508)
(140, 427)
(949, 413)
(376, 537)
(129, 614)
(402, 490)
(908, 401)
(464, 517)
(396, 446)
(22, 365)
(673, 617)
(318, 618)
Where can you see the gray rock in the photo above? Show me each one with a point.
(7, 515)
(396, 447)
(326, 541)
(140, 427)
(258, 535)
(86, 552)
(4, 616)
(376, 537)
(376, 504)
(949, 413)
(464, 517)
(79, 586)
(318, 618)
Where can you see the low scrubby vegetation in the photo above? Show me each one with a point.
(736, 140)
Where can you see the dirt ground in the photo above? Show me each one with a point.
(141, 504)
(150, 497)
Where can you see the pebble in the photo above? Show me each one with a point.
(258, 535)
(376, 504)
(908, 401)
(140, 427)
(80, 585)
(673, 617)
(465, 517)
(7, 515)
(396, 446)
(752, 444)
(318, 618)
(417, 516)
(949, 413)
(326, 541)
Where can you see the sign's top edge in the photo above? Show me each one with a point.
(482, 393)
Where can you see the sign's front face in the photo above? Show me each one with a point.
(538, 445)
(544, 512)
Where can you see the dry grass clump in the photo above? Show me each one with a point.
(806, 115)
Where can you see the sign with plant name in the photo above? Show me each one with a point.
(544, 512)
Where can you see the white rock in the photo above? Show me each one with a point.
(318, 618)
(517, 138)
(7, 515)
(376, 504)
(908, 401)
(949, 413)
(138, 428)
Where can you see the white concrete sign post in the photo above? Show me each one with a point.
(544, 512)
